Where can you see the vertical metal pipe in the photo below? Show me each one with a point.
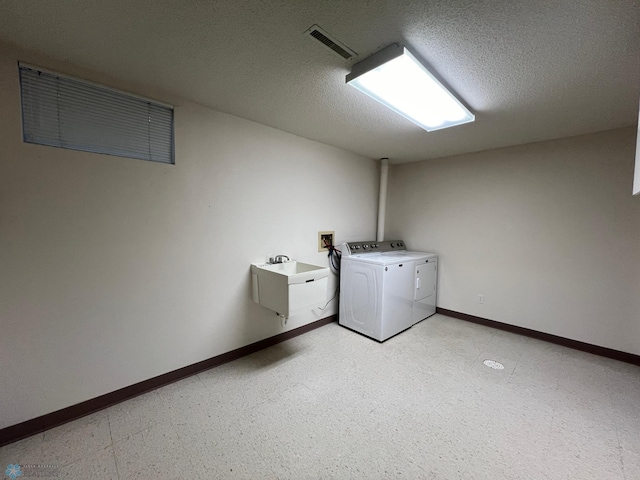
(382, 199)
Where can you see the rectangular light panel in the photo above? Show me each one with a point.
(395, 78)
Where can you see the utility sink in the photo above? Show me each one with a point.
(289, 286)
(293, 270)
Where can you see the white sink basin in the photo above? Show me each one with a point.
(290, 286)
(293, 270)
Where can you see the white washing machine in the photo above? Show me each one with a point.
(385, 289)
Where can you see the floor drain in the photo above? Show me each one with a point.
(493, 364)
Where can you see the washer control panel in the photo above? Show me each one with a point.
(352, 248)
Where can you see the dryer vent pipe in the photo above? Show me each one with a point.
(382, 199)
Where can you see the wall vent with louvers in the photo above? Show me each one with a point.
(334, 45)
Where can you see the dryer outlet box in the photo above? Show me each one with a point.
(325, 238)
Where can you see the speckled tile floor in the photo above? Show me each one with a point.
(334, 404)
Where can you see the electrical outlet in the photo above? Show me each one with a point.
(325, 238)
(480, 298)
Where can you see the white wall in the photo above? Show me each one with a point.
(548, 232)
(114, 270)
(636, 176)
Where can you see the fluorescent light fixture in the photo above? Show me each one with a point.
(395, 78)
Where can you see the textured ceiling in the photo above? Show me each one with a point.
(529, 70)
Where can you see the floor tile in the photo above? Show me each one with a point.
(155, 452)
(135, 415)
(73, 441)
(334, 404)
(631, 465)
(100, 465)
(27, 451)
(583, 451)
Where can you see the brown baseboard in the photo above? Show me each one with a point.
(565, 342)
(53, 419)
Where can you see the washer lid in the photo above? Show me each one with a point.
(390, 258)
(377, 258)
(418, 255)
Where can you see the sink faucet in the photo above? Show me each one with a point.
(279, 259)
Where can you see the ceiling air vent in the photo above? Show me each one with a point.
(334, 45)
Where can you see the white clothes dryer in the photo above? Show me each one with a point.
(385, 289)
